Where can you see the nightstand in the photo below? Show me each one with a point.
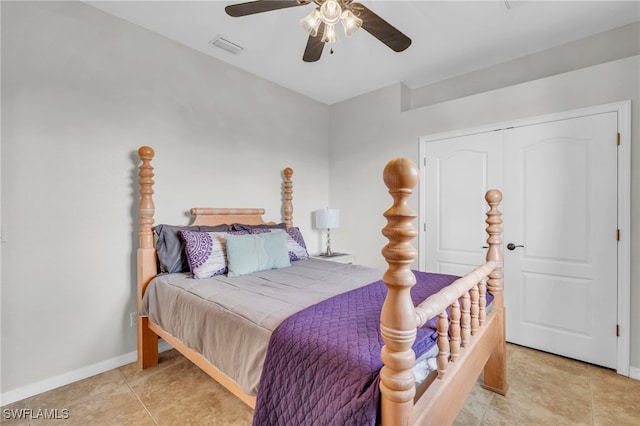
(336, 257)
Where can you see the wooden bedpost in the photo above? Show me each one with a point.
(398, 316)
(495, 371)
(147, 268)
(287, 205)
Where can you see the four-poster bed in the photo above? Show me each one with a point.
(467, 320)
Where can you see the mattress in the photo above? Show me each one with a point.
(222, 317)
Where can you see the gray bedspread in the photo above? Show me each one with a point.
(230, 320)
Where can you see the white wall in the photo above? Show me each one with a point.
(369, 130)
(81, 91)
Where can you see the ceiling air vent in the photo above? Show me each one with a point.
(227, 45)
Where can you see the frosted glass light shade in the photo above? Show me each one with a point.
(327, 218)
(350, 22)
(330, 34)
(331, 12)
(312, 22)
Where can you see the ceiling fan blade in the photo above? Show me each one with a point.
(314, 48)
(259, 6)
(381, 29)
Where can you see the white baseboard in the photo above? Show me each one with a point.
(33, 389)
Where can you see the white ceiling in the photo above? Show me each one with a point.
(449, 38)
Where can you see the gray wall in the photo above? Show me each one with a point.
(369, 130)
(81, 91)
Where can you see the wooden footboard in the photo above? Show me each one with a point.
(469, 339)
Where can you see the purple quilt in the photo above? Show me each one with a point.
(323, 363)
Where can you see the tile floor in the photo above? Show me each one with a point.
(544, 390)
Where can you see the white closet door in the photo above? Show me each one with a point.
(458, 173)
(560, 204)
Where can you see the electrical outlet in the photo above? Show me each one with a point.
(133, 319)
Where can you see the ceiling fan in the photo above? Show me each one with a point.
(321, 22)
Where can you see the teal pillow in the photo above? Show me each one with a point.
(256, 252)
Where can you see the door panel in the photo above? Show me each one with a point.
(458, 173)
(536, 289)
(561, 197)
(563, 182)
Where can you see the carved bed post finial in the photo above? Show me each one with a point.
(398, 317)
(287, 208)
(146, 208)
(494, 229)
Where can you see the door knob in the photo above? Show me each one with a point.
(512, 246)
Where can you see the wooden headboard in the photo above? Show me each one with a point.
(147, 262)
(213, 217)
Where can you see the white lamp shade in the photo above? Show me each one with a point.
(327, 218)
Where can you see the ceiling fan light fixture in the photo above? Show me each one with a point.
(350, 22)
(312, 22)
(324, 19)
(330, 34)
